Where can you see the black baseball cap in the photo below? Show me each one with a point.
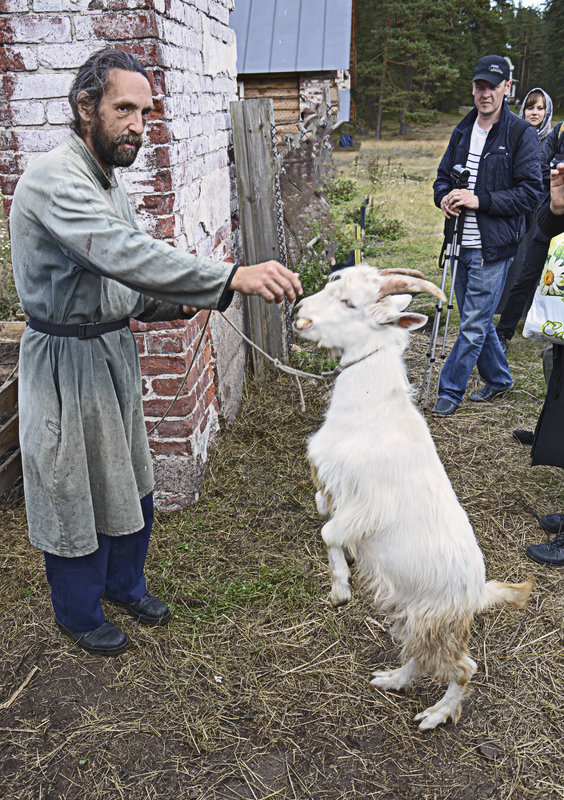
(493, 69)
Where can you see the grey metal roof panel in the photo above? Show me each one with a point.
(292, 35)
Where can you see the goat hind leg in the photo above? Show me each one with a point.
(396, 679)
(450, 705)
(322, 505)
(340, 576)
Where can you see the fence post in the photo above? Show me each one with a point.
(261, 218)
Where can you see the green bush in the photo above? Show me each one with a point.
(340, 190)
(377, 227)
(313, 275)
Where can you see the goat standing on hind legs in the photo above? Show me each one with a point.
(383, 493)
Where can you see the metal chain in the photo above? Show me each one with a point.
(280, 170)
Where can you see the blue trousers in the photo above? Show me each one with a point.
(478, 286)
(116, 569)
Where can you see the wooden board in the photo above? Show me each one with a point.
(9, 434)
(11, 331)
(256, 185)
(10, 471)
(9, 395)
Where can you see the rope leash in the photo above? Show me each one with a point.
(185, 378)
(297, 373)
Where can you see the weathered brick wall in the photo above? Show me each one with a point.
(180, 185)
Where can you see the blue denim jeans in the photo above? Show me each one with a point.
(478, 286)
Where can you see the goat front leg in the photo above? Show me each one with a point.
(338, 567)
(450, 705)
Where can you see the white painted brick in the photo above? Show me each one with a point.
(180, 128)
(219, 11)
(201, 145)
(26, 113)
(71, 56)
(39, 141)
(37, 29)
(32, 86)
(15, 6)
(60, 5)
(193, 18)
(58, 112)
(196, 126)
(83, 28)
(26, 54)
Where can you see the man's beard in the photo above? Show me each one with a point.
(108, 150)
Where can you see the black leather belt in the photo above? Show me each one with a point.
(84, 330)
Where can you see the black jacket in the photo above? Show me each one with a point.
(508, 185)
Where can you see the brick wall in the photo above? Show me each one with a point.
(181, 184)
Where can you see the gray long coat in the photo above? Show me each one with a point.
(78, 256)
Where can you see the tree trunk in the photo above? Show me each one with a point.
(378, 133)
(408, 83)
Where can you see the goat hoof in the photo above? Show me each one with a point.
(393, 680)
(438, 715)
(340, 597)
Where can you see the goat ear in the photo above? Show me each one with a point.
(410, 320)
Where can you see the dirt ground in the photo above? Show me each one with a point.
(259, 688)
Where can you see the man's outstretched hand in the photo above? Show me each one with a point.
(557, 189)
(269, 280)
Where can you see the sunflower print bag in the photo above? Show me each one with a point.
(545, 319)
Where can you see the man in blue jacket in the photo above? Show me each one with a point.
(501, 152)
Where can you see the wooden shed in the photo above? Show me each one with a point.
(298, 54)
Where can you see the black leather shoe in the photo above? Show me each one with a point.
(148, 610)
(444, 407)
(552, 523)
(523, 437)
(502, 340)
(107, 640)
(487, 393)
(549, 553)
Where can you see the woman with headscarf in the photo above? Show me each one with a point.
(536, 108)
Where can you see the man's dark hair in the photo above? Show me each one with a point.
(93, 77)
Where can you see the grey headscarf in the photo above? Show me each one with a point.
(546, 124)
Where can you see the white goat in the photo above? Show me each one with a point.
(383, 492)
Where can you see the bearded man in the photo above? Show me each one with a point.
(82, 268)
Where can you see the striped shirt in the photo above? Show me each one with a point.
(471, 233)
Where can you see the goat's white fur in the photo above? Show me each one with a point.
(384, 495)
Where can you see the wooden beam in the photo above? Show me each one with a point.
(9, 434)
(10, 471)
(9, 395)
(11, 331)
(253, 122)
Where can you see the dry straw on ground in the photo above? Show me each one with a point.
(258, 688)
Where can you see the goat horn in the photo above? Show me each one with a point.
(409, 285)
(402, 271)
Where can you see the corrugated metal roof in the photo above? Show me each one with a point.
(292, 35)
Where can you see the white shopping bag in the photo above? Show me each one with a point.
(545, 320)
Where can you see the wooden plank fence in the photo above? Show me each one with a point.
(253, 122)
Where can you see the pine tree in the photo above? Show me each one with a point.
(553, 63)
